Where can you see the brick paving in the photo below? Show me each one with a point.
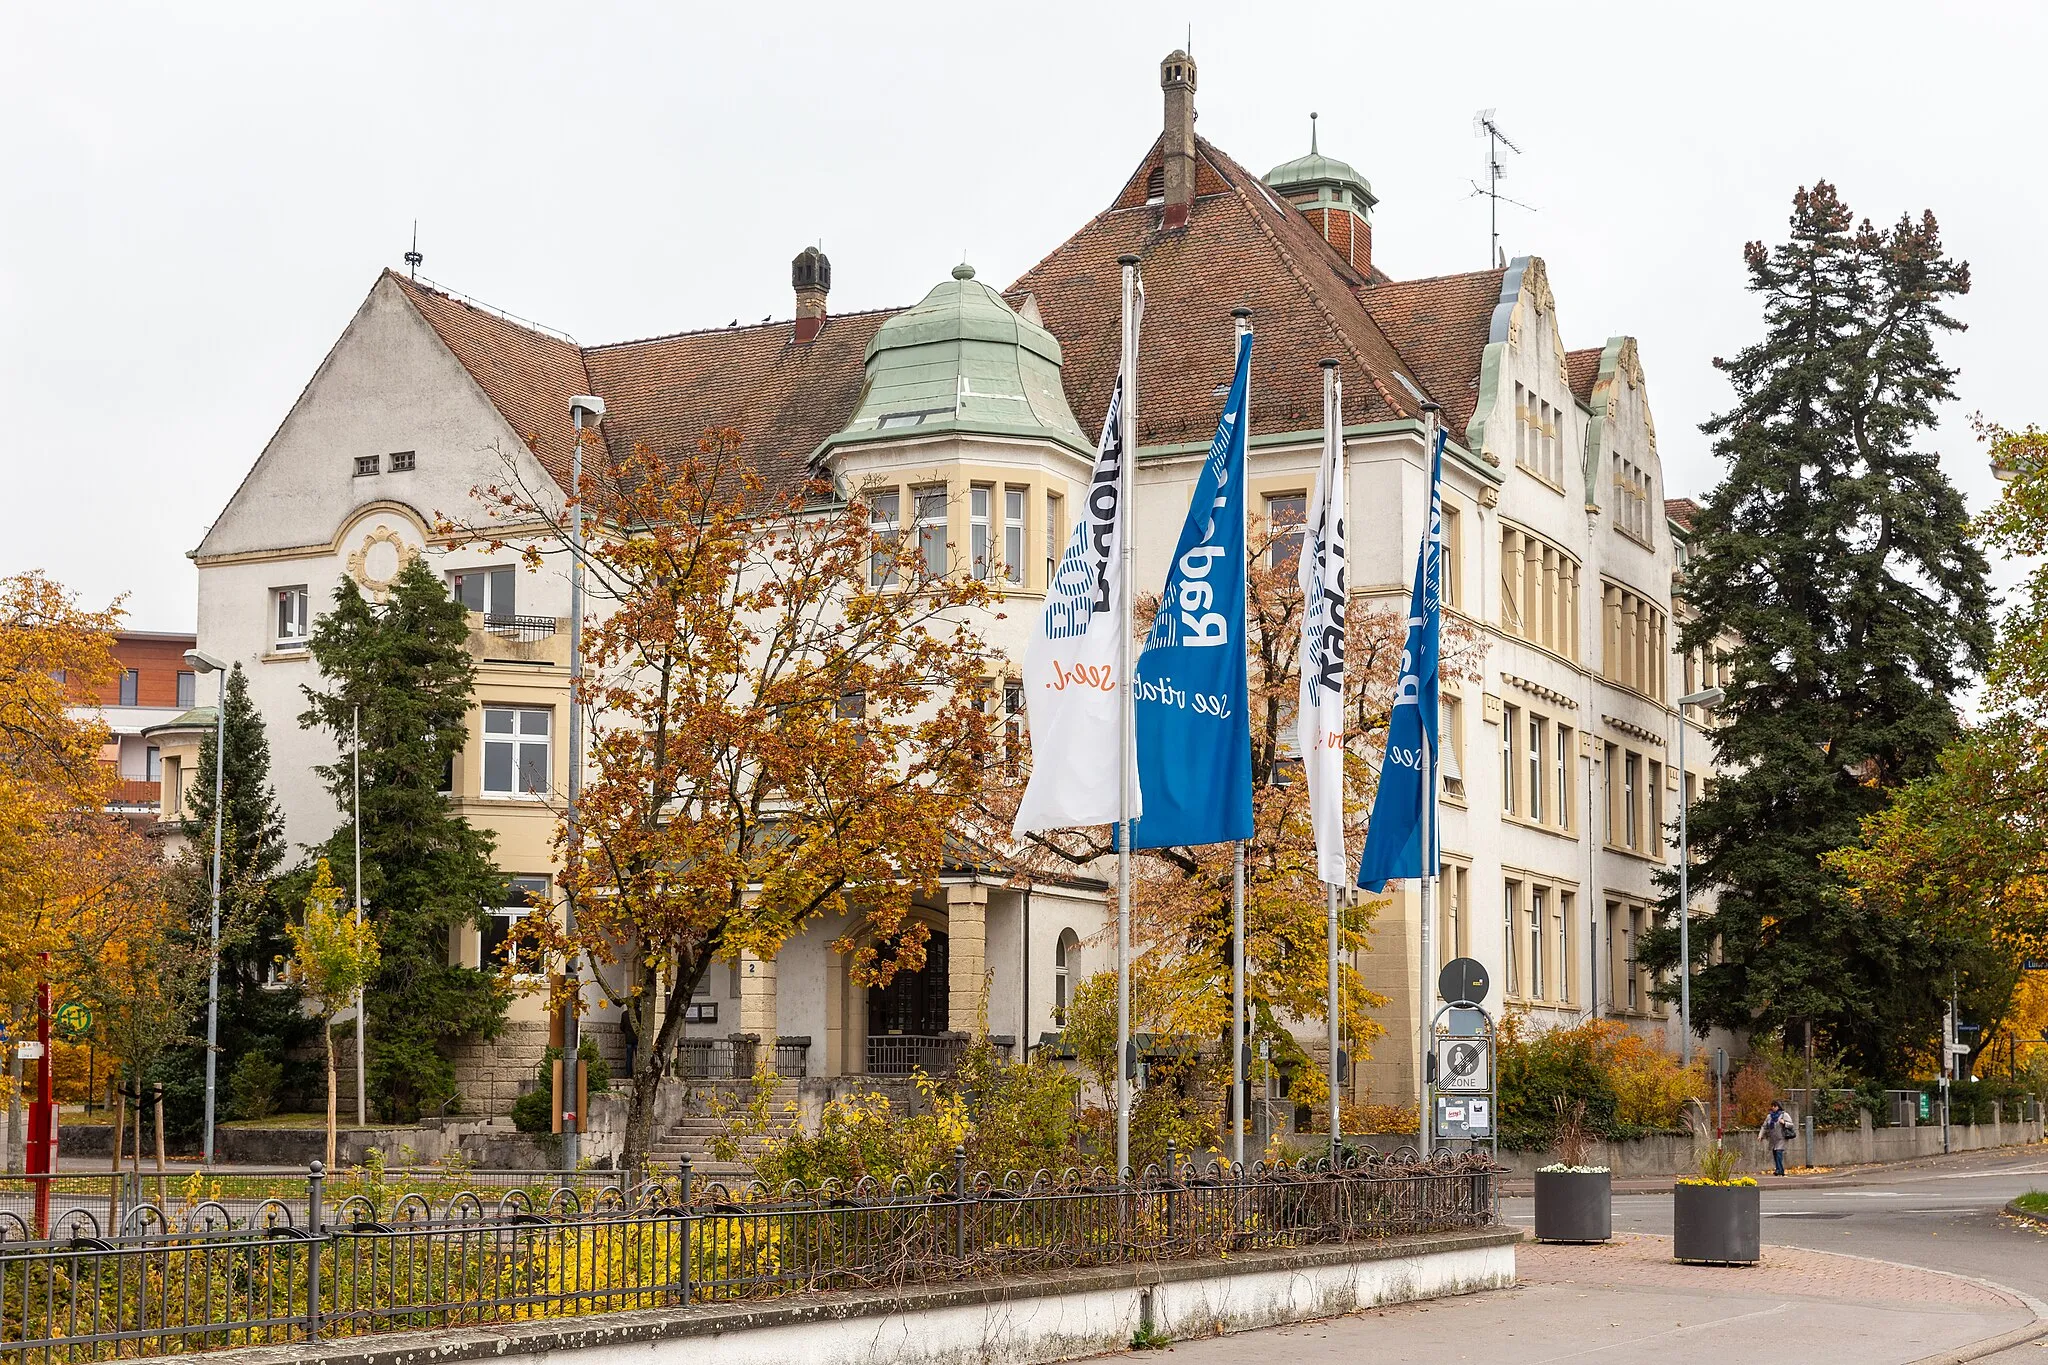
(1639, 1261)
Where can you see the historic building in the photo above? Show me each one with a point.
(968, 418)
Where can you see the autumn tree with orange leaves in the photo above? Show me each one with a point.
(775, 740)
(1181, 897)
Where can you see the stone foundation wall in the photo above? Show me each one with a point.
(490, 1075)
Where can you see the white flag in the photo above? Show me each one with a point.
(1073, 694)
(1320, 726)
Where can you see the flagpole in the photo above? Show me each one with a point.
(1242, 320)
(1333, 428)
(1127, 440)
(1427, 887)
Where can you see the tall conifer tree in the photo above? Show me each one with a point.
(426, 871)
(1834, 561)
(257, 1016)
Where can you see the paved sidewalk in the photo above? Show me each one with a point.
(1626, 1301)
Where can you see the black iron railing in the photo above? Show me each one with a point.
(381, 1261)
(526, 628)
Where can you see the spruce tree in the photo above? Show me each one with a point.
(426, 871)
(256, 1018)
(1834, 562)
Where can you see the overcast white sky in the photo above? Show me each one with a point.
(194, 198)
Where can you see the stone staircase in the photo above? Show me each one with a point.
(693, 1134)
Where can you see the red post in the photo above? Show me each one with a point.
(42, 1114)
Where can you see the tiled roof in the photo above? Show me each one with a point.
(783, 398)
(527, 374)
(1441, 327)
(1585, 368)
(1681, 510)
(1243, 246)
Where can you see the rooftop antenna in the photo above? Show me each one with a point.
(413, 259)
(1485, 125)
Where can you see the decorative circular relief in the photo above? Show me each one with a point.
(377, 562)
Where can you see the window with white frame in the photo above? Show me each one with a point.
(1014, 725)
(493, 591)
(1056, 529)
(1510, 723)
(293, 625)
(523, 896)
(1539, 914)
(979, 498)
(1066, 963)
(1539, 746)
(516, 751)
(1013, 534)
(885, 510)
(1450, 743)
(931, 529)
(188, 690)
(1286, 515)
(1511, 899)
(1562, 928)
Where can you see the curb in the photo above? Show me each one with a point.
(2031, 1215)
(1990, 1346)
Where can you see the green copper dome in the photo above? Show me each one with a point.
(962, 361)
(1316, 178)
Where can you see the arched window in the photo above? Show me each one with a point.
(1066, 956)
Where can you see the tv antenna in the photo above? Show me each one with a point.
(413, 259)
(1485, 125)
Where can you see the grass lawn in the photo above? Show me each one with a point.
(2035, 1201)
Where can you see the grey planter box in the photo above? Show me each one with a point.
(1574, 1206)
(1717, 1224)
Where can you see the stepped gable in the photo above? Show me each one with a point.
(528, 375)
(783, 396)
(1441, 326)
(1584, 368)
(1243, 246)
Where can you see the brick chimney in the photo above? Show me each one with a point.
(1177, 79)
(811, 274)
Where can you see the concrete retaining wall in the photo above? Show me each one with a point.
(1672, 1154)
(1007, 1322)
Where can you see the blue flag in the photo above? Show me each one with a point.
(1193, 716)
(1393, 841)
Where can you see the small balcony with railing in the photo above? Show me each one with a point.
(495, 638)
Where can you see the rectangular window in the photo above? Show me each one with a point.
(1510, 718)
(1511, 894)
(131, 682)
(366, 465)
(152, 764)
(1539, 905)
(931, 529)
(1453, 541)
(523, 896)
(978, 498)
(1653, 836)
(1014, 731)
(1636, 642)
(1286, 513)
(1538, 747)
(1610, 757)
(1565, 902)
(1637, 979)
(1563, 772)
(292, 625)
(1631, 783)
(1539, 588)
(1451, 913)
(188, 690)
(492, 591)
(1056, 529)
(401, 461)
(884, 508)
(1013, 535)
(1450, 742)
(516, 759)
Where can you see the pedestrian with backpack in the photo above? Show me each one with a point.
(1778, 1131)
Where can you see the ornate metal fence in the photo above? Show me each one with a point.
(385, 1262)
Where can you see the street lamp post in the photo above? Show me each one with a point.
(585, 412)
(1707, 700)
(206, 663)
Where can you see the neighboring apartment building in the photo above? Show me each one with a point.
(969, 418)
(151, 687)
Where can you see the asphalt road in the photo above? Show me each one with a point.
(1943, 1214)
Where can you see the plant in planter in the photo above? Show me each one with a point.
(1574, 1201)
(1716, 1215)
